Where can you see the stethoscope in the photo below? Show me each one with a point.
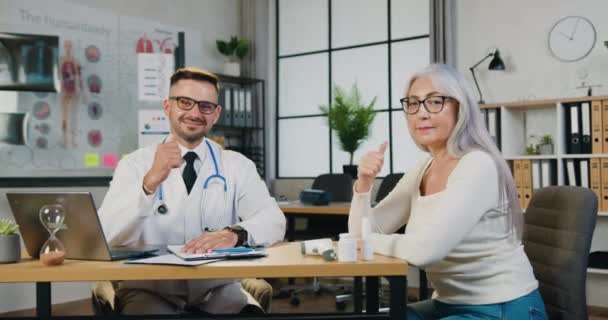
(162, 207)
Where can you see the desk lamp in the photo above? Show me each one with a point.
(495, 64)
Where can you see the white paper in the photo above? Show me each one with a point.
(154, 72)
(170, 259)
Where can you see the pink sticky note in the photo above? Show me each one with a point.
(109, 160)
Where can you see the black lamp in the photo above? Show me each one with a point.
(495, 64)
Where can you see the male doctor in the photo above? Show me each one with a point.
(188, 190)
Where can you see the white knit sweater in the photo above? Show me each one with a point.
(460, 235)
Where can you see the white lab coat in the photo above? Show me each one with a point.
(130, 216)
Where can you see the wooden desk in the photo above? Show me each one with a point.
(334, 208)
(284, 260)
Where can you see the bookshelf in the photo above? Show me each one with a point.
(522, 123)
(241, 125)
(519, 123)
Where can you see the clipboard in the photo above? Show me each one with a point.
(229, 253)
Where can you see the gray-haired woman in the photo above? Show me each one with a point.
(464, 223)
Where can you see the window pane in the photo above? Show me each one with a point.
(405, 152)
(303, 26)
(303, 84)
(409, 18)
(303, 147)
(368, 67)
(378, 134)
(408, 57)
(357, 22)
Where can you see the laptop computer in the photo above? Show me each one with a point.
(83, 239)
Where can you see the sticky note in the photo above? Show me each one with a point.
(91, 160)
(109, 160)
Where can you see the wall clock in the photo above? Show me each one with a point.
(572, 38)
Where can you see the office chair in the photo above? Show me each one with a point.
(341, 188)
(103, 295)
(558, 229)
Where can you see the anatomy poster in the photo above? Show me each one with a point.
(86, 127)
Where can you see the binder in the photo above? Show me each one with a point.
(595, 179)
(573, 133)
(235, 107)
(526, 173)
(596, 127)
(228, 106)
(584, 172)
(585, 128)
(570, 173)
(248, 109)
(546, 173)
(604, 184)
(536, 175)
(518, 183)
(241, 107)
(605, 126)
(494, 125)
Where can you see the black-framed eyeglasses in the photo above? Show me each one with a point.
(432, 104)
(185, 103)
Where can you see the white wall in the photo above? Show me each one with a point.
(204, 21)
(520, 29)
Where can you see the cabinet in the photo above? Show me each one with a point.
(241, 124)
(579, 130)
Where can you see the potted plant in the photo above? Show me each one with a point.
(350, 118)
(10, 246)
(546, 144)
(234, 50)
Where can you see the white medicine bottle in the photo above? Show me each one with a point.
(347, 248)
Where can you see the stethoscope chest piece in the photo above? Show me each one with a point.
(162, 209)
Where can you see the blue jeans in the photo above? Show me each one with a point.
(530, 306)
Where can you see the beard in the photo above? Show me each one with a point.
(190, 137)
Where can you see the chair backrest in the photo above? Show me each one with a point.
(386, 186)
(339, 185)
(559, 225)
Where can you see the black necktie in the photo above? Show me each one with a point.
(189, 174)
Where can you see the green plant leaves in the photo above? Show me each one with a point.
(234, 48)
(7, 227)
(350, 118)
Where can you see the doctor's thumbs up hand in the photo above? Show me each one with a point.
(168, 156)
(370, 165)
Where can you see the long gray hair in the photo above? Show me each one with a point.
(470, 134)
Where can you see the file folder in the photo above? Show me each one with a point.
(570, 172)
(573, 133)
(595, 179)
(584, 172)
(596, 127)
(604, 184)
(248, 109)
(546, 173)
(228, 106)
(526, 166)
(536, 175)
(518, 183)
(494, 125)
(585, 128)
(236, 107)
(605, 125)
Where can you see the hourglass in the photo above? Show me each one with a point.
(52, 252)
